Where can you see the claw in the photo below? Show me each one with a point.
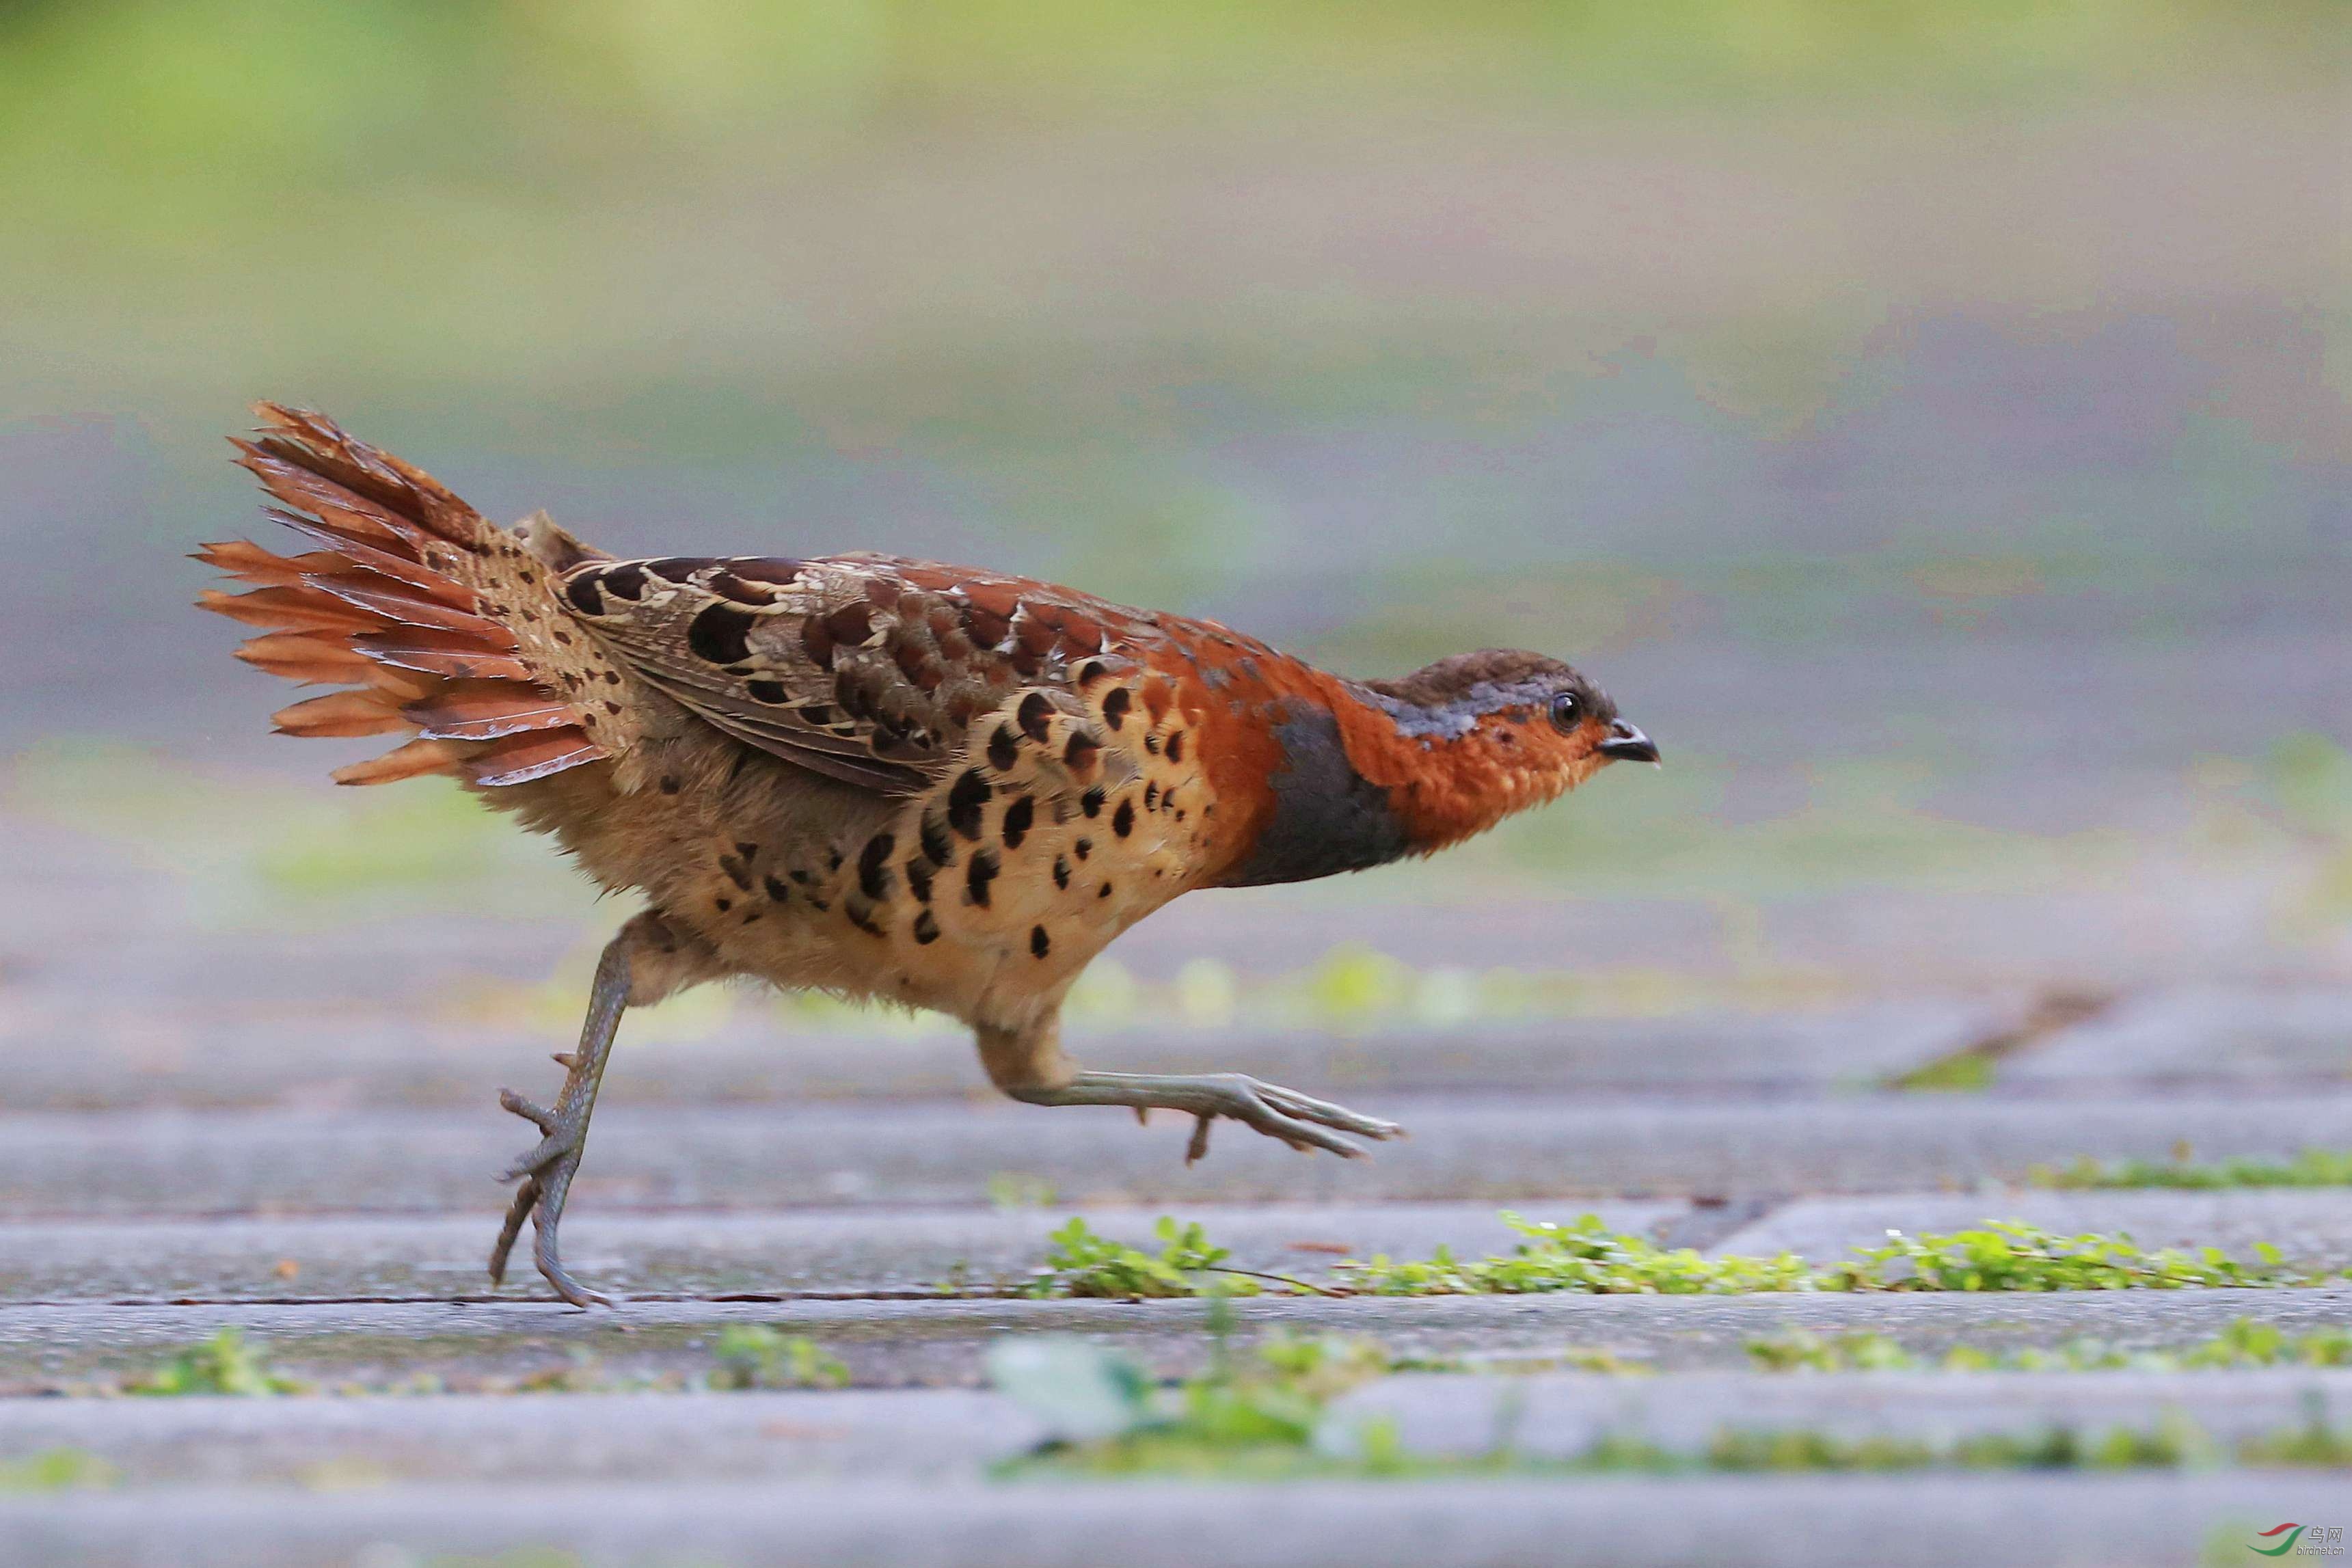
(537, 1115)
(1200, 1143)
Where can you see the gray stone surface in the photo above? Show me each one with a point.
(2245, 1035)
(2163, 1520)
(2313, 1226)
(1563, 1415)
(944, 1342)
(837, 1253)
(72, 1053)
(524, 1438)
(1520, 1150)
(521, 1439)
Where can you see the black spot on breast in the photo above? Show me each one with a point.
(936, 847)
(1040, 945)
(611, 677)
(721, 633)
(584, 595)
(1032, 716)
(927, 929)
(818, 904)
(874, 868)
(1061, 872)
(723, 904)
(1103, 891)
(746, 849)
(625, 582)
(1080, 753)
(1116, 705)
(861, 915)
(1122, 821)
(1003, 749)
(1176, 745)
(1085, 847)
(817, 713)
(964, 800)
(737, 872)
(771, 692)
(1091, 803)
(1090, 672)
(919, 879)
(1152, 744)
(1151, 797)
(776, 889)
(668, 785)
(983, 871)
(832, 859)
(1017, 818)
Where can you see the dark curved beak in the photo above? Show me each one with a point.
(1627, 744)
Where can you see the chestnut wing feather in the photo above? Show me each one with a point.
(863, 668)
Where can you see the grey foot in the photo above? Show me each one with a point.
(546, 1174)
(1299, 1120)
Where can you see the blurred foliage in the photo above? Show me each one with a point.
(2246, 1343)
(225, 1363)
(759, 1355)
(153, 117)
(56, 1471)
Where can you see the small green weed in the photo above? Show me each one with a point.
(1080, 1263)
(755, 1355)
(2007, 1255)
(2311, 1168)
(225, 1363)
(1582, 1256)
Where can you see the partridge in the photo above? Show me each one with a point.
(933, 785)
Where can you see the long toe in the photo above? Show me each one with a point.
(1305, 1107)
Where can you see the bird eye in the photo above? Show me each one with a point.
(1566, 711)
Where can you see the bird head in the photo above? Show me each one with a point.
(1502, 731)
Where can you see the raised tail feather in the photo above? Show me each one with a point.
(439, 624)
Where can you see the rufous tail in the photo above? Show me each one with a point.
(435, 622)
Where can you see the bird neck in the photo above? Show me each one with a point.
(1449, 773)
(1364, 780)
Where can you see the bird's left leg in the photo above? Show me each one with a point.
(644, 963)
(1028, 1064)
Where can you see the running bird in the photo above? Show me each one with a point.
(941, 787)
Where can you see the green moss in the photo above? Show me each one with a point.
(2311, 1168)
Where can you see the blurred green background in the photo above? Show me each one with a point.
(1926, 418)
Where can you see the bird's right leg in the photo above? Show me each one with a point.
(644, 963)
(1028, 1064)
